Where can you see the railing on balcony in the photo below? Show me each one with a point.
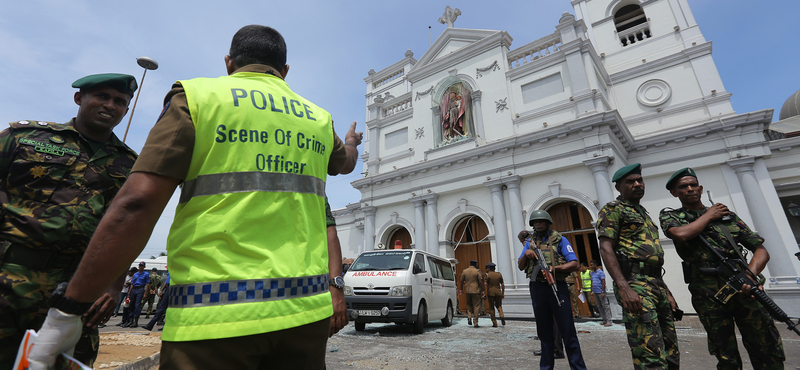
(635, 34)
(394, 76)
(535, 50)
(398, 106)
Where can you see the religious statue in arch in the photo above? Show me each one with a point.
(456, 114)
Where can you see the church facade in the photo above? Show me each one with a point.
(465, 142)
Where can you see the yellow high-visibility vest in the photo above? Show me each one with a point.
(248, 248)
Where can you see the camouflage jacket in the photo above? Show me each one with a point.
(53, 192)
(635, 234)
(694, 251)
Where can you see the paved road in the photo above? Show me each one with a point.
(389, 346)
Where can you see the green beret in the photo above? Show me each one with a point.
(635, 168)
(122, 82)
(678, 174)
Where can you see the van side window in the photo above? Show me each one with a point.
(447, 270)
(436, 270)
(419, 263)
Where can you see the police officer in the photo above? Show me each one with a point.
(56, 182)
(725, 231)
(495, 292)
(586, 288)
(139, 282)
(472, 287)
(562, 261)
(633, 255)
(253, 283)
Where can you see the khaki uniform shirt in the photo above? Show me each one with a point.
(472, 280)
(493, 281)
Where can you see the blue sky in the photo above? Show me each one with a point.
(46, 45)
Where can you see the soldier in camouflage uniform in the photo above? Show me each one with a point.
(760, 337)
(633, 255)
(56, 182)
(150, 292)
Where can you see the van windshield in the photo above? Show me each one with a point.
(388, 260)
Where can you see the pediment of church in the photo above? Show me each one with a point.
(453, 40)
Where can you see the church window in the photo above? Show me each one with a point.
(632, 25)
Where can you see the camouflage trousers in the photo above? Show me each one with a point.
(23, 306)
(149, 302)
(651, 334)
(760, 336)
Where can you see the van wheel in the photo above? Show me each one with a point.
(448, 316)
(422, 317)
(360, 326)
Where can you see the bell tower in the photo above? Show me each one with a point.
(659, 38)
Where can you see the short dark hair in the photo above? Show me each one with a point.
(595, 262)
(255, 44)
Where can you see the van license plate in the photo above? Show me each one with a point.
(369, 313)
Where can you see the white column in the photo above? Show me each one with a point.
(431, 223)
(780, 263)
(476, 104)
(369, 228)
(517, 224)
(504, 262)
(419, 224)
(602, 182)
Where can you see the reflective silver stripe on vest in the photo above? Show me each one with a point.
(240, 182)
(245, 291)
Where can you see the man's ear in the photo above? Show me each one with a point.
(230, 66)
(285, 71)
(78, 97)
(673, 192)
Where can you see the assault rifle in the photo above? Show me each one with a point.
(735, 270)
(541, 265)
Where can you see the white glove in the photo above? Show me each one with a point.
(60, 332)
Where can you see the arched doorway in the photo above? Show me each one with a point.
(574, 222)
(470, 243)
(400, 235)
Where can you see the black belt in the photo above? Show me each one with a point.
(40, 259)
(643, 269)
(138, 286)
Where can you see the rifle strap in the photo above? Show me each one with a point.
(731, 241)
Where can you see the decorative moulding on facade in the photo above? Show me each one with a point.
(648, 68)
(679, 108)
(609, 123)
(455, 215)
(395, 156)
(482, 41)
(423, 93)
(382, 235)
(654, 92)
(480, 71)
(545, 199)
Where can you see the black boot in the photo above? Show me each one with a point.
(469, 321)
(147, 327)
(135, 322)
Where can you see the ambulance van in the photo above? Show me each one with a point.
(403, 286)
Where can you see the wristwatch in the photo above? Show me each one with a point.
(66, 305)
(337, 282)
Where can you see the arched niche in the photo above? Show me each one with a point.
(454, 112)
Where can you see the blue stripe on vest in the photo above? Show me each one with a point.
(245, 291)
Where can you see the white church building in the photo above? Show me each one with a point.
(466, 141)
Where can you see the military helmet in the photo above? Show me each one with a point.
(540, 214)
